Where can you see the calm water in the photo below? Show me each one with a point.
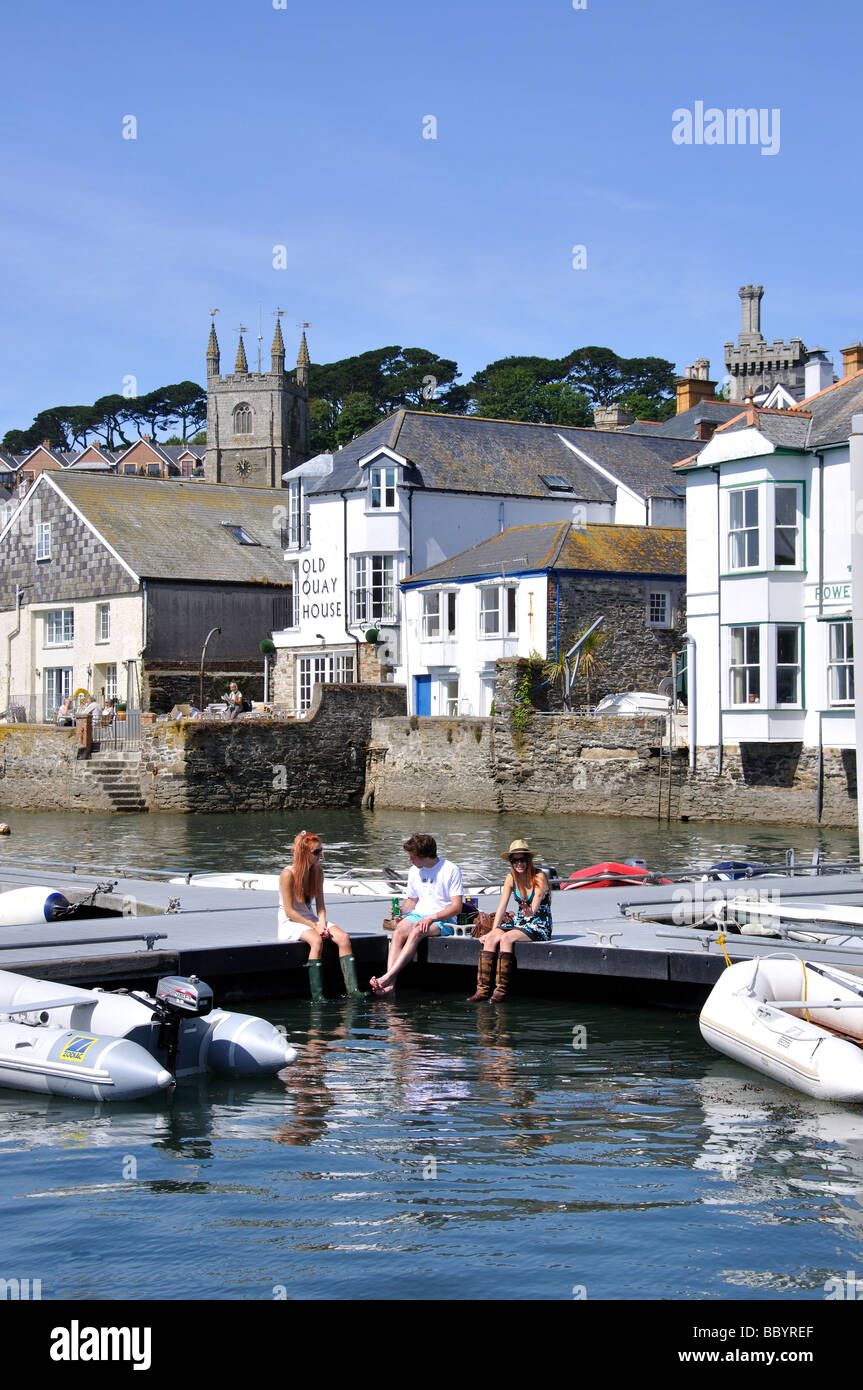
(426, 1148)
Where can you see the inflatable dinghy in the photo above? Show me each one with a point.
(793, 1020)
(177, 1029)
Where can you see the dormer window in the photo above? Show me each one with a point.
(382, 488)
(243, 419)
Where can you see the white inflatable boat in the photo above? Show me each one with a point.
(798, 1022)
(121, 1046)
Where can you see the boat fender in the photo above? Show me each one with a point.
(27, 907)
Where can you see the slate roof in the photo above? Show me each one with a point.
(822, 419)
(8, 463)
(685, 425)
(562, 546)
(458, 453)
(172, 528)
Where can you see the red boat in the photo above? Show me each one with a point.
(610, 876)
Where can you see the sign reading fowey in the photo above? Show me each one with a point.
(318, 589)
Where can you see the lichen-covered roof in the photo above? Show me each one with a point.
(464, 453)
(173, 529)
(564, 546)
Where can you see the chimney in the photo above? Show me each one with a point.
(611, 417)
(750, 313)
(818, 373)
(695, 386)
(852, 359)
(46, 443)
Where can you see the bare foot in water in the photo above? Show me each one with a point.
(379, 989)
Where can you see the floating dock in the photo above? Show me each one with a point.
(655, 943)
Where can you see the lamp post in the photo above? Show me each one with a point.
(201, 675)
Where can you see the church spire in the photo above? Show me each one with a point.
(278, 348)
(241, 366)
(213, 349)
(303, 360)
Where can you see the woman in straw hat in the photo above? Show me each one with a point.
(531, 922)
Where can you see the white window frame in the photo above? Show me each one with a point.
(43, 540)
(439, 612)
(746, 530)
(766, 666)
(111, 681)
(103, 622)
(796, 665)
(448, 695)
(62, 619)
(374, 600)
(745, 666)
(666, 620)
(763, 534)
(326, 668)
(503, 604)
(56, 686)
(297, 529)
(840, 664)
(383, 491)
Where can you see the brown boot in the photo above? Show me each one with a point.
(484, 977)
(505, 964)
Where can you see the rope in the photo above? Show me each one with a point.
(721, 939)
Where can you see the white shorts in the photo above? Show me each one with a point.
(292, 931)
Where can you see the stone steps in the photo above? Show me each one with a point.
(115, 773)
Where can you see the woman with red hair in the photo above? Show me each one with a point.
(299, 882)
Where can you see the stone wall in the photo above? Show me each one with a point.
(632, 655)
(567, 763)
(167, 683)
(261, 763)
(40, 771)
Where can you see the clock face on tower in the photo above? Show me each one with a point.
(243, 468)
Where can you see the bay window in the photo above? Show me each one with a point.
(497, 610)
(438, 616)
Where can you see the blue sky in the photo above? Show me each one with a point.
(302, 127)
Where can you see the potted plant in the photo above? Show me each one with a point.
(121, 711)
(373, 635)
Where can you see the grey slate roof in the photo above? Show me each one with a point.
(562, 546)
(685, 425)
(457, 453)
(822, 419)
(172, 529)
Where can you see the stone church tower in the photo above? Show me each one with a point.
(257, 422)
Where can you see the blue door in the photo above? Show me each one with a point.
(422, 694)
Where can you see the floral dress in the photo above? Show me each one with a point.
(539, 926)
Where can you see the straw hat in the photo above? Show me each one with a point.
(518, 847)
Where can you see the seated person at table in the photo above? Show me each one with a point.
(66, 712)
(433, 902)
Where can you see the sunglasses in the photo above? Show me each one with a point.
(518, 858)
(316, 852)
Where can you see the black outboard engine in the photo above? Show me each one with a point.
(551, 874)
(177, 997)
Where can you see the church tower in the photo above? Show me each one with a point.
(257, 422)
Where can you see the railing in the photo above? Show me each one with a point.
(37, 708)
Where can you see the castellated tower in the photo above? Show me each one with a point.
(257, 422)
(756, 366)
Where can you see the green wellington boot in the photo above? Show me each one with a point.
(484, 977)
(316, 981)
(349, 970)
(505, 965)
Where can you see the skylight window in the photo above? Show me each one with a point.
(240, 534)
(555, 483)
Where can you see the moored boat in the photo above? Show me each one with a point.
(610, 875)
(793, 1020)
(178, 1029)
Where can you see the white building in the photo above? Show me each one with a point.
(421, 487)
(533, 590)
(769, 524)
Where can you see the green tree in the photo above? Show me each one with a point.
(188, 404)
(110, 412)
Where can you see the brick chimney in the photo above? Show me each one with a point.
(695, 386)
(852, 359)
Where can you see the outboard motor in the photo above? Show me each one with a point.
(177, 997)
(551, 874)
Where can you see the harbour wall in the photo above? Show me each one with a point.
(253, 763)
(580, 764)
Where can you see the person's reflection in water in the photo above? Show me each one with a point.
(307, 1089)
(498, 1068)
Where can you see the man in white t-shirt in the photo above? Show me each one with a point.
(433, 902)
